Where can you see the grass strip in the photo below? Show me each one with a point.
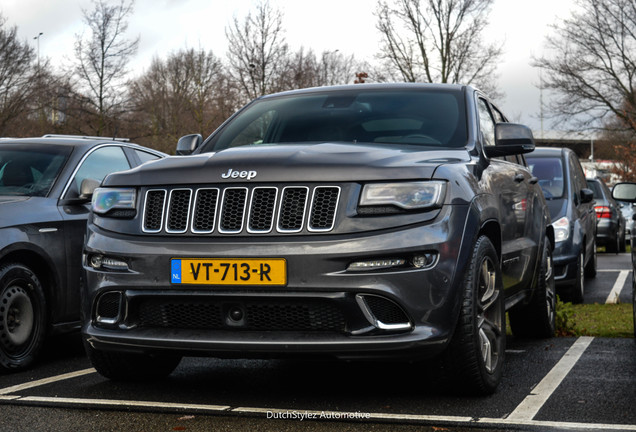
(599, 320)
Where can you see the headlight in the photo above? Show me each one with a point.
(408, 195)
(561, 229)
(107, 199)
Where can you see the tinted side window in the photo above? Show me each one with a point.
(486, 123)
(596, 188)
(98, 165)
(576, 169)
(145, 156)
(578, 177)
(499, 117)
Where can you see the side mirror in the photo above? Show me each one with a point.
(586, 195)
(625, 192)
(189, 143)
(87, 188)
(511, 139)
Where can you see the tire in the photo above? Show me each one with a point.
(577, 292)
(23, 317)
(590, 267)
(613, 246)
(473, 362)
(118, 366)
(623, 244)
(537, 319)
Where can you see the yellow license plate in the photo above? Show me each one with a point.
(229, 271)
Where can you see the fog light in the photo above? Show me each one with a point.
(376, 264)
(114, 264)
(425, 260)
(107, 263)
(95, 261)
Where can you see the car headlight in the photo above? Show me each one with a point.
(407, 195)
(561, 229)
(107, 199)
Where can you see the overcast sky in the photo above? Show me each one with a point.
(347, 25)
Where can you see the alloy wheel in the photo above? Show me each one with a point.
(490, 317)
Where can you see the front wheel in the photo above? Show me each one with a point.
(614, 244)
(623, 243)
(590, 267)
(23, 317)
(475, 356)
(576, 292)
(538, 318)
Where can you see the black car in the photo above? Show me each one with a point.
(626, 192)
(363, 221)
(610, 223)
(42, 227)
(571, 205)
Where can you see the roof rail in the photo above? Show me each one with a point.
(85, 137)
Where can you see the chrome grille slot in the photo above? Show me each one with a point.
(153, 213)
(233, 210)
(178, 210)
(323, 208)
(262, 207)
(204, 216)
(292, 209)
(236, 210)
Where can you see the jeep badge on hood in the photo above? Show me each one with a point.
(239, 174)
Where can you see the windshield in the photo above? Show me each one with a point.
(30, 170)
(426, 118)
(549, 171)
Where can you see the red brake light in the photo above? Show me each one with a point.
(603, 212)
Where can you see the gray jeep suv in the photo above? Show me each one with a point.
(366, 221)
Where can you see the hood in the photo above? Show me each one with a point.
(292, 163)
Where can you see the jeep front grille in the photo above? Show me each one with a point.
(234, 210)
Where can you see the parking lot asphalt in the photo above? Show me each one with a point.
(556, 384)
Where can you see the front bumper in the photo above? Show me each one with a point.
(565, 264)
(324, 309)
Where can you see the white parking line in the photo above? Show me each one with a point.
(115, 403)
(522, 416)
(531, 405)
(615, 293)
(19, 387)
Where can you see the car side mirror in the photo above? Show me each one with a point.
(511, 139)
(625, 192)
(188, 144)
(87, 188)
(586, 195)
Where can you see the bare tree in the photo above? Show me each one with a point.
(438, 41)
(305, 69)
(590, 65)
(257, 51)
(17, 77)
(335, 68)
(186, 93)
(102, 59)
